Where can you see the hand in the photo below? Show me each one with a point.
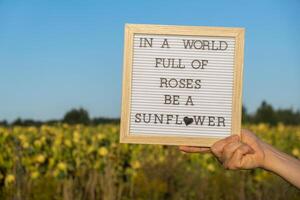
(247, 152)
(234, 152)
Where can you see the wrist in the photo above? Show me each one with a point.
(272, 157)
(281, 164)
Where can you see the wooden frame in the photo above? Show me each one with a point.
(130, 30)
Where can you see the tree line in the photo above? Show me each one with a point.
(265, 113)
(74, 116)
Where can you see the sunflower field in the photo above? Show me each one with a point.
(88, 162)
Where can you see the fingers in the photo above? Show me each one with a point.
(230, 152)
(229, 149)
(248, 137)
(217, 148)
(189, 149)
(236, 159)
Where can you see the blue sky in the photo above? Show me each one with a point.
(56, 55)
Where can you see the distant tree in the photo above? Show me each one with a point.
(288, 116)
(17, 122)
(3, 123)
(52, 122)
(77, 116)
(244, 115)
(297, 116)
(104, 120)
(26, 122)
(265, 113)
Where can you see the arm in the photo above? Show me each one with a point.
(248, 152)
(282, 164)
